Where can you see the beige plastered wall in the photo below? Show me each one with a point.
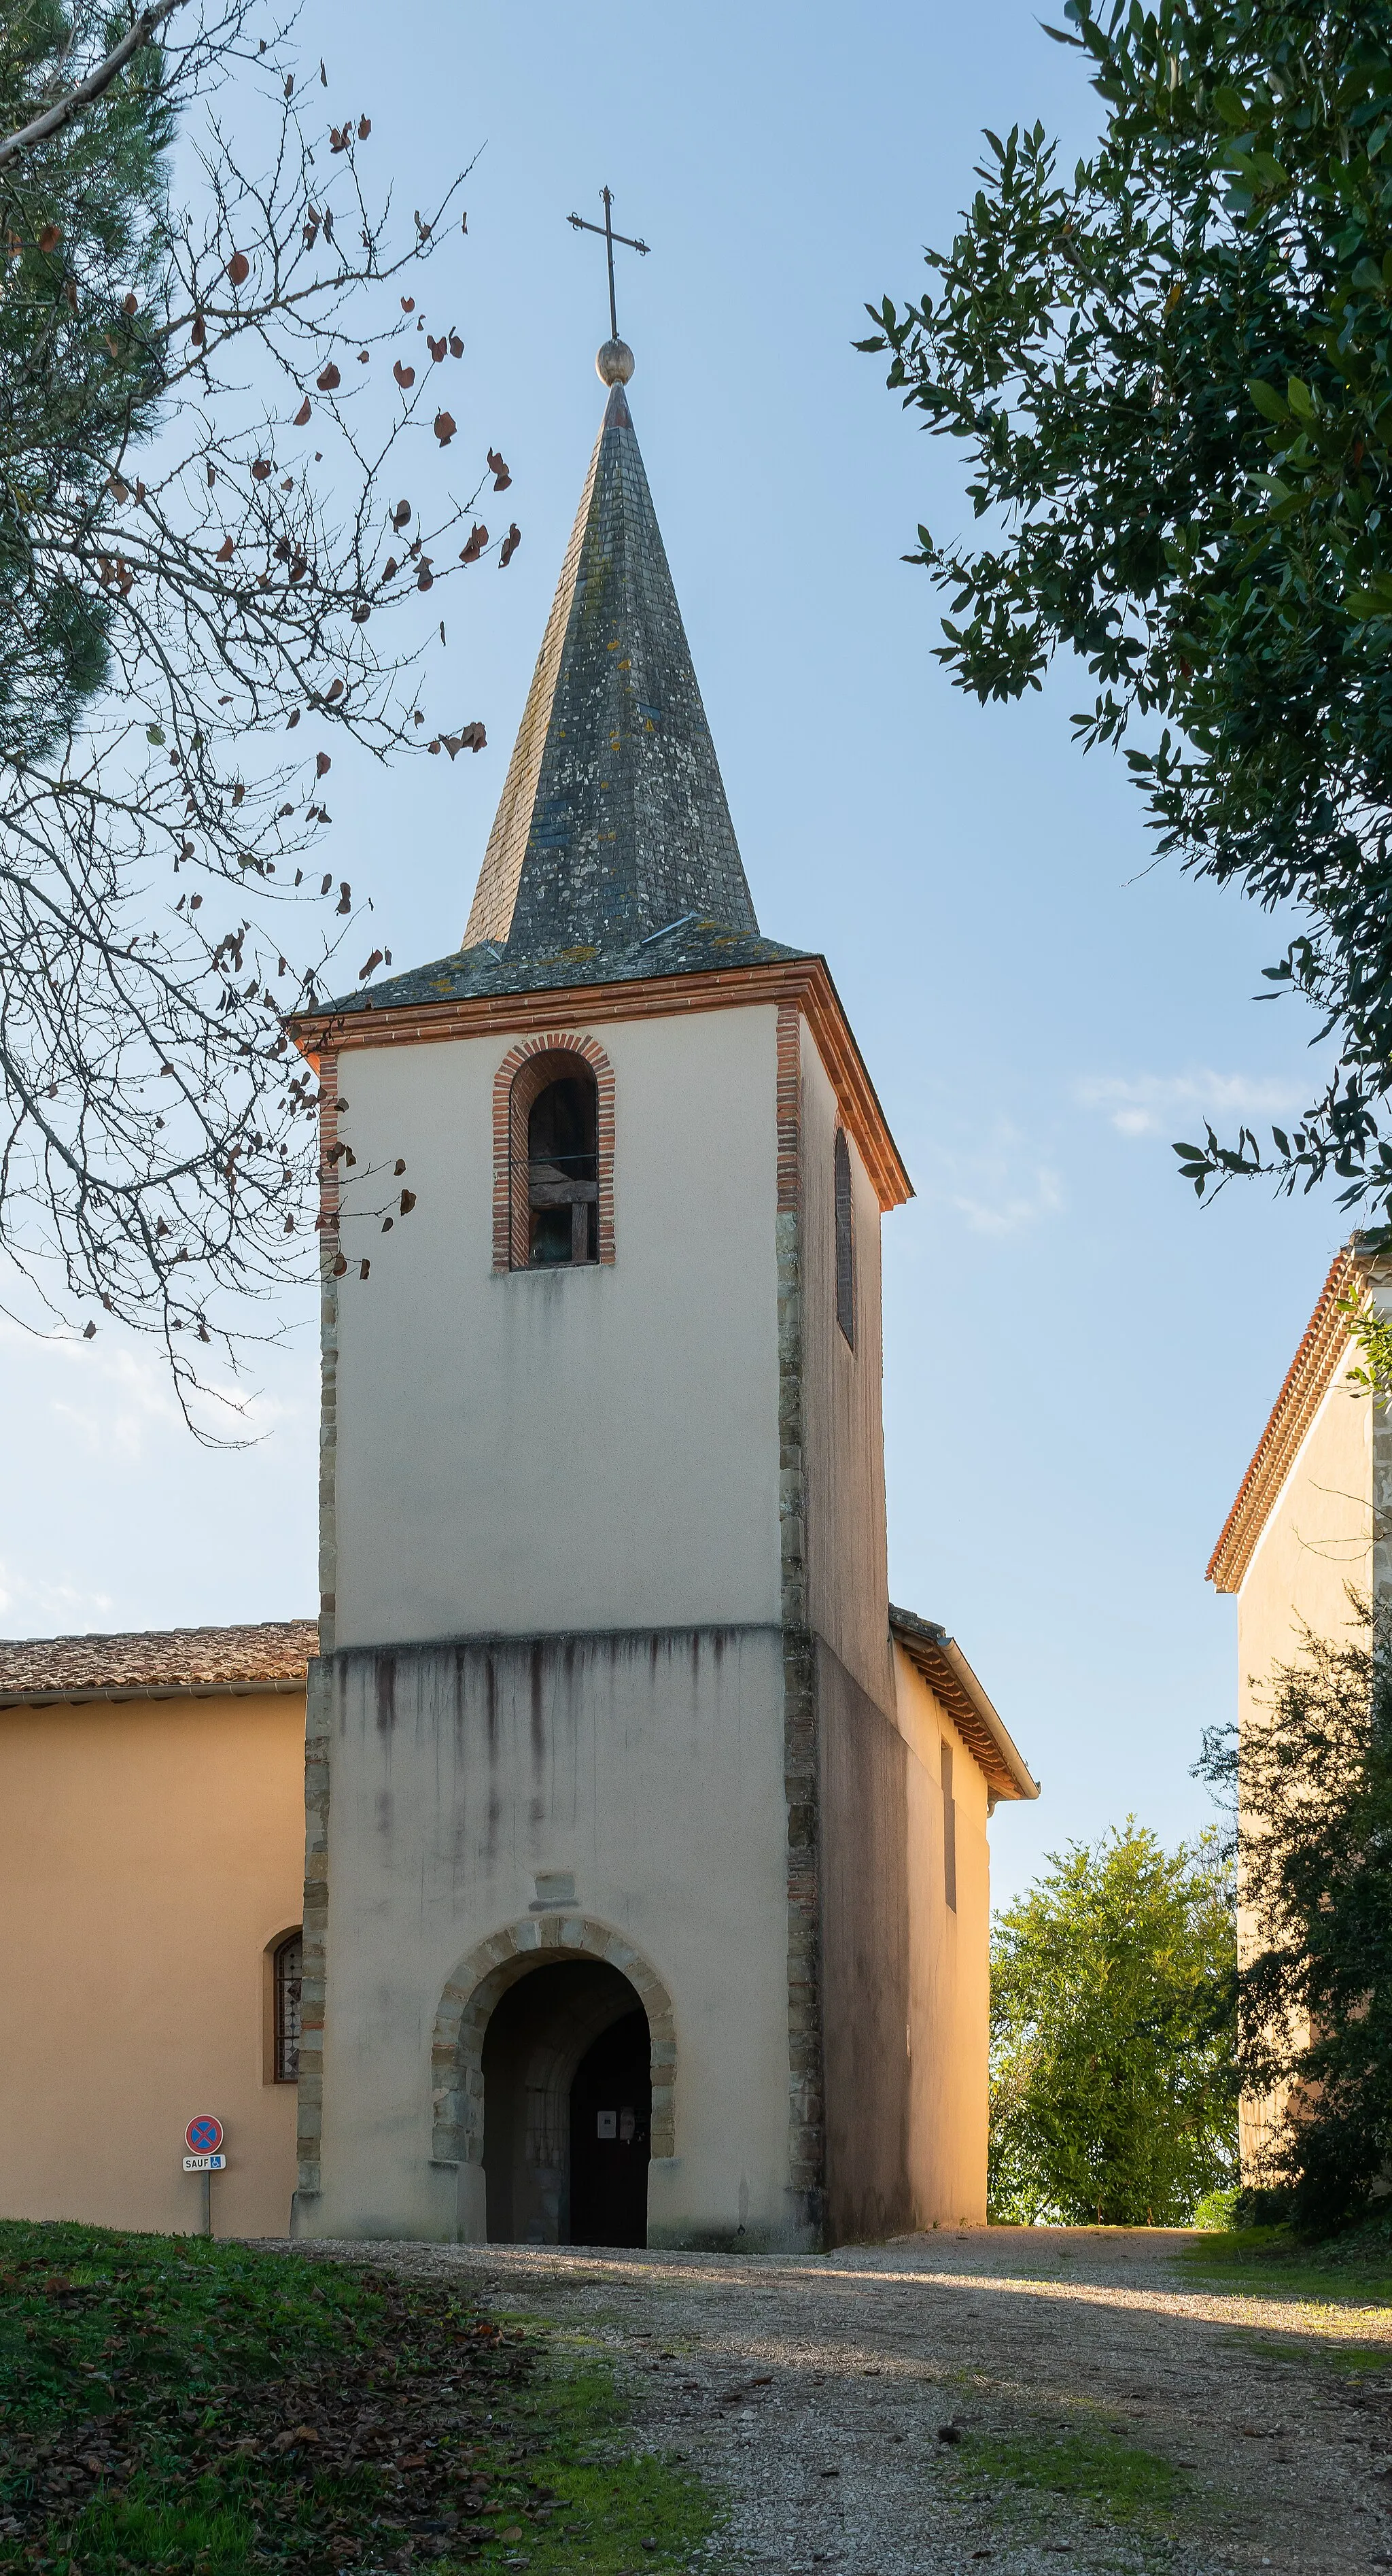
(904, 1974)
(597, 1448)
(949, 1965)
(848, 1582)
(1317, 1541)
(905, 1992)
(647, 1768)
(587, 1462)
(151, 1853)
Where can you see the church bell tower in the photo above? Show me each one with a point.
(598, 1841)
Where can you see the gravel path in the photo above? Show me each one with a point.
(811, 2394)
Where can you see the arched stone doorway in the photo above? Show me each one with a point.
(567, 2109)
(504, 1964)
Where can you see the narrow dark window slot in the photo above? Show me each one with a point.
(949, 1830)
(845, 1241)
(289, 1970)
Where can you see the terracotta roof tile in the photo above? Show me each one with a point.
(164, 1662)
(1307, 1381)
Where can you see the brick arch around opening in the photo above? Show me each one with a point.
(485, 1973)
(523, 1074)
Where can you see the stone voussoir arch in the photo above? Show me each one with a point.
(484, 1974)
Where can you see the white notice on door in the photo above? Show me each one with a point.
(607, 2124)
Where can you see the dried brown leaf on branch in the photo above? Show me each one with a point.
(498, 470)
(170, 1217)
(510, 544)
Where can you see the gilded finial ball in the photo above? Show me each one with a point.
(614, 363)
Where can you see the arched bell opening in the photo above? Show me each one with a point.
(563, 1170)
(567, 2108)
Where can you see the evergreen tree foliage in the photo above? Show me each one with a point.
(1113, 2084)
(1171, 370)
(1313, 1782)
(80, 374)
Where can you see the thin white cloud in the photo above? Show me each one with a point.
(1158, 1104)
(1000, 1186)
(116, 1397)
(44, 1609)
(1013, 1210)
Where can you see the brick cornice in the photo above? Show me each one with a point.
(804, 982)
(1307, 1382)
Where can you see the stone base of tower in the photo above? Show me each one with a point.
(600, 1819)
(693, 1880)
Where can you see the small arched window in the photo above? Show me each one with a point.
(553, 1155)
(845, 1241)
(563, 1171)
(287, 1971)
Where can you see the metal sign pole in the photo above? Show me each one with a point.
(203, 2139)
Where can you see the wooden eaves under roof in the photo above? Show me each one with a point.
(952, 1682)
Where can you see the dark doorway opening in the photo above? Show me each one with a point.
(565, 2046)
(610, 2133)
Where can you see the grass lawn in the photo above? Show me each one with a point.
(1355, 2269)
(206, 2409)
(1123, 2484)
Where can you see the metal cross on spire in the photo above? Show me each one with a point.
(610, 237)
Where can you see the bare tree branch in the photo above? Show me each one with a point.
(53, 119)
(196, 435)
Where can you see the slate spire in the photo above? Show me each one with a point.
(613, 822)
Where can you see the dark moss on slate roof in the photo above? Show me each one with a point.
(613, 819)
(612, 857)
(473, 974)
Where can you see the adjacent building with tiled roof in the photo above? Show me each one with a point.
(158, 1663)
(1303, 1548)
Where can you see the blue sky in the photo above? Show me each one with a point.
(1078, 1359)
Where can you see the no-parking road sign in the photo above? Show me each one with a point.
(203, 2136)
